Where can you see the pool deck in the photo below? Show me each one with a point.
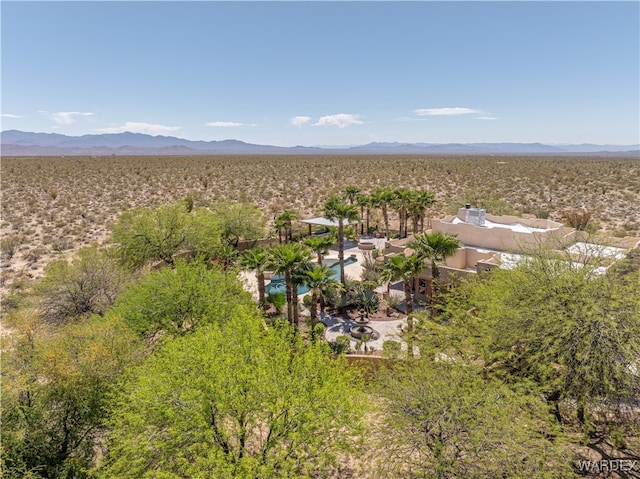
(353, 270)
(338, 326)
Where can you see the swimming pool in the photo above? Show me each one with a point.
(277, 282)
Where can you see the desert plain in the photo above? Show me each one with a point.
(52, 206)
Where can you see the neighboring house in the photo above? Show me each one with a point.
(502, 241)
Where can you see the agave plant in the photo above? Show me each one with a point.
(365, 299)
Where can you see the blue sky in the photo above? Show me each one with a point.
(325, 73)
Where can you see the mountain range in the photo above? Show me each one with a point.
(21, 143)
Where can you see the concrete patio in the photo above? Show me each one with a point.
(388, 330)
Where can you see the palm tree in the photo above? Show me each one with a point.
(288, 259)
(404, 268)
(285, 221)
(225, 255)
(436, 247)
(381, 197)
(375, 203)
(423, 200)
(335, 209)
(351, 193)
(320, 245)
(319, 280)
(256, 259)
(401, 199)
(414, 209)
(362, 201)
(280, 226)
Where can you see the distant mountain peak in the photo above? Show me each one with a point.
(21, 143)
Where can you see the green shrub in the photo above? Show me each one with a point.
(179, 300)
(580, 220)
(87, 284)
(316, 332)
(9, 245)
(391, 349)
(341, 344)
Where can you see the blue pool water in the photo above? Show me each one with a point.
(277, 282)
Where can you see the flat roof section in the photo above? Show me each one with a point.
(597, 250)
(512, 260)
(516, 227)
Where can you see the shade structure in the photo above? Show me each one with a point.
(321, 221)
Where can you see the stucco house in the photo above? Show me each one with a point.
(502, 241)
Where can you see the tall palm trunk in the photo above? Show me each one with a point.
(415, 220)
(407, 216)
(368, 216)
(385, 215)
(341, 250)
(435, 275)
(336, 209)
(289, 293)
(409, 307)
(294, 304)
(435, 271)
(425, 224)
(261, 289)
(409, 302)
(314, 308)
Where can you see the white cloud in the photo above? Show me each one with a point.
(486, 118)
(300, 120)
(9, 115)
(65, 117)
(341, 120)
(445, 111)
(140, 127)
(224, 124)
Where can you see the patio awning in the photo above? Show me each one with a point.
(321, 221)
